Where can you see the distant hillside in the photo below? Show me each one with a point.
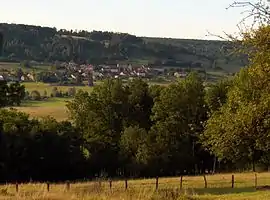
(44, 44)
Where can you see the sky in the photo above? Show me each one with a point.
(191, 19)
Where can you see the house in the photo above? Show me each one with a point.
(180, 74)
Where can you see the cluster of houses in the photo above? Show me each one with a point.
(73, 71)
(13, 77)
(121, 71)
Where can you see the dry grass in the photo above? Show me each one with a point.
(55, 107)
(219, 187)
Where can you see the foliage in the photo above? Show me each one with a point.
(11, 94)
(41, 150)
(239, 130)
(35, 95)
(71, 92)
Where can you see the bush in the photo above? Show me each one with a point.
(45, 93)
(71, 92)
(35, 95)
(27, 95)
(55, 92)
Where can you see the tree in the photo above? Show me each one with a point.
(178, 116)
(35, 95)
(140, 104)
(1, 43)
(19, 74)
(45, 93)
(131, 141)
(240, 127)
(11, 94)
(3, 93)
(216, 94)
(71, 92)
(55, 92)
(25, 64)
(99, 116)
(16, 93)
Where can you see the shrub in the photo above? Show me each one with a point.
(55, 92)
(45, 93)
(71, 92)
(27, 95)
(35, 95)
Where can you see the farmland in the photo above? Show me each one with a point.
(193, 188)
(54, 107)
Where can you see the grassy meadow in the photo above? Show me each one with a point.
(41, 87)
(55, 107)
(218, 188)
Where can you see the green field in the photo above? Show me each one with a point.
(41, 87)
(193, 188)
(55, 107)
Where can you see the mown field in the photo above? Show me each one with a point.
(55, 107)
(218, 188)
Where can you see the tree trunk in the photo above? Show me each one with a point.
(214, 165)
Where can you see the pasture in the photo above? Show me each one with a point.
(55, 107)
(193, 188)
(41, 87)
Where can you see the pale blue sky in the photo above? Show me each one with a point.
(162, 18)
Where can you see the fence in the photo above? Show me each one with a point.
(232, 181)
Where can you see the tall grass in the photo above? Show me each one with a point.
(219, 187)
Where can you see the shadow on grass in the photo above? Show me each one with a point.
(221, 191)
(45, 102)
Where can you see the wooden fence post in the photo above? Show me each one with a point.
(48, 186)
(256, 180)
(110, 183)
(17, 187)
(181, 182)
(232, 181)
(157, 183)
(68, 186)
(99, 183)
(205, 181)
(126, 184)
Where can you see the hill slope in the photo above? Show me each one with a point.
(26, 42)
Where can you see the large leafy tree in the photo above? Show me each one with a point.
(178, 116)
(240, 127)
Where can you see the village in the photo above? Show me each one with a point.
(75, 74)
